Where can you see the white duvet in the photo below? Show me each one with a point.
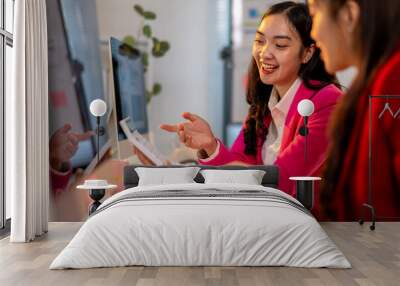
(200, 231)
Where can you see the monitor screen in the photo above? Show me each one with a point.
(82, 44)
(129, 86)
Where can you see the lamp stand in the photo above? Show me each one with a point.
(304, 132)
(98, 138)
(96, 195)
(99, 132)
(305, 193)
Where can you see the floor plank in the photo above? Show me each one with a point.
(375, 257)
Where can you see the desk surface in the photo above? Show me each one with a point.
(374, 255)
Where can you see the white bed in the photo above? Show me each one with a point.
(239, 229)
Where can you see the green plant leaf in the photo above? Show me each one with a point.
(164, 46)
(149, 95)
(156, 88)
(129, 40)
(148, 15)
(155, 53)
(155, 40)
(158, 47)
(139, 9)
(147, 31)
(145, 59)
(156, 50)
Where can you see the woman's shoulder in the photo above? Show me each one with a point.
(331, 90)
(327, 95)
(387, 77)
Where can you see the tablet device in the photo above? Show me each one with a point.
(142, 143)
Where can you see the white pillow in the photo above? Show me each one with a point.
(248, 177)
(163, 176)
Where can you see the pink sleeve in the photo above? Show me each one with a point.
(59, 180)
(291, 161)
(236, 153)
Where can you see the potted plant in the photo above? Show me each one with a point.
(145, 36)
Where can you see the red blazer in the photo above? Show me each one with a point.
(291, 156)
(385, 151)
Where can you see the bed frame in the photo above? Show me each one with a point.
(270, 179)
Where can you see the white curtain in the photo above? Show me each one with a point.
(27, 124)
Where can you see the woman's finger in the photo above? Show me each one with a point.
(191, 116)
(188, 141)
(75, 148)
(143, 158)
(84, 136)
(169, 127)
(69, 151)
(182, 136)
(67, 155)
(181, 127)
(69, 146)
(72, 138)
(63, 130)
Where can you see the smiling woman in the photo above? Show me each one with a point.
(286, 68)
(278, 52)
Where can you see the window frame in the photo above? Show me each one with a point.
(6, 39)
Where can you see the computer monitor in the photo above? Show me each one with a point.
(129, 86)
(82, 80)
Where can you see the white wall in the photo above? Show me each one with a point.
(190, 76)
(218, 38)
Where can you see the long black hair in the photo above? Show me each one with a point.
(312, 73)
(377, 35)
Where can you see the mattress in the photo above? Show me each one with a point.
(201, 225)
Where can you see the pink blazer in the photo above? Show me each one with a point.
(290, 159)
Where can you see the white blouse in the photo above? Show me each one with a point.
(279, 110)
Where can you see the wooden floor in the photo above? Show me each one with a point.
(375, 257)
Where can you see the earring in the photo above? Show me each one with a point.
(306, 59)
